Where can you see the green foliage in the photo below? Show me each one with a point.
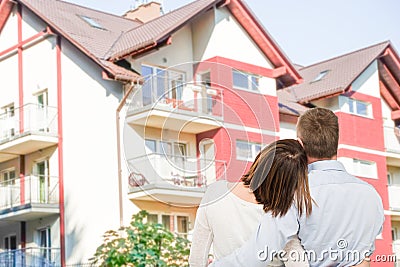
(142, 244)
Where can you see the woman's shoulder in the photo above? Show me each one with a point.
(215, 191)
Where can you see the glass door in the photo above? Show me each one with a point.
(42, 111)
(41, 171)
(45, 244)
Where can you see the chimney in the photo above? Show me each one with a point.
(145, 12)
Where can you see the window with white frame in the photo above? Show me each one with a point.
(7, 121)
(247, 81)
(178, 223)
(355, 106)
(7, 177)
(161, 83)
(167, 148)
(360, 167)
(247, 150)
(365, 168)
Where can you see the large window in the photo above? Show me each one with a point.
(355, 106)
(247, 150)
(161, 84)
(245, 81)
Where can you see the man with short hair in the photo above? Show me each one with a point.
(346, 217)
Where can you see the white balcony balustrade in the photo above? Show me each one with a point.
(185, 107)
(29, 196)
(27, 129)
(173, 179)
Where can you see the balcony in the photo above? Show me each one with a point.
(26, 130)
(172, 179)
(394, 197)
(184, 108)
(45, 257)
(29, 198)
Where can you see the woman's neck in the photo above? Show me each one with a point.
(242, 191)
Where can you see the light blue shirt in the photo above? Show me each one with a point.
(346, 218)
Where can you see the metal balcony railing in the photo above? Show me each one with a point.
(32, 189)
(37, 257)
(177, 170)
(178, 97)
(36, 119)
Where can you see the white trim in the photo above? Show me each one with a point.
(391, 213)
(250, 129)
(361, 149)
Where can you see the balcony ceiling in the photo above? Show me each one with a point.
(174, 121)
(168, 194)
(24, 145)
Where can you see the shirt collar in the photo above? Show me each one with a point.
(326, 165)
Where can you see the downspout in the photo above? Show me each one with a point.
(120, 106)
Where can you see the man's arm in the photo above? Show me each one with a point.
(270, 238)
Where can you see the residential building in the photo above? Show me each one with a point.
(112, 121)
(362, 88)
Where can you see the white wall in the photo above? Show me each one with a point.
(287, 130)
(9, 33)
(226, 39)
(177, 55)
(368, 82)
(90, 154)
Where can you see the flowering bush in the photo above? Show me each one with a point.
(142, 244)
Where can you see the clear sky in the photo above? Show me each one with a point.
(308, 31)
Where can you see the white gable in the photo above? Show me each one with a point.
(219, 34)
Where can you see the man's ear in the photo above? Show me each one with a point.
(299, 140)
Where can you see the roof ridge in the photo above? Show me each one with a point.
(345, 55)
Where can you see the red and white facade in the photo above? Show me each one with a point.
(207, 105)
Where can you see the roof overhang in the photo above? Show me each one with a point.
(264, 41)
(6, 7)
(389, 75)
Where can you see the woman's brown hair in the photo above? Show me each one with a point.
(279, 176)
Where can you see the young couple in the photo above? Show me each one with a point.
(317, 213)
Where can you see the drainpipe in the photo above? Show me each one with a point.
(120, 106)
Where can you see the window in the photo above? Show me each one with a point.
(92, 22)
(177, 223)
(321, 75)
(247, 151)
(160, 84)
(244, 80)
(10, 242)
(44, 242)
(364, 168)
(167, 148)
(7, 177)
(355, 106)
(7, 121)
(358, 107)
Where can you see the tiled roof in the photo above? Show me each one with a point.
(288, 105)
(341, 72)
(158, 29)
(66, 18)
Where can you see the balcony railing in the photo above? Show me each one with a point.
(179, 97)
(39, 189)
(36, 119)
(392, 139)
(38, 257)
(176, 170)
(394, 197)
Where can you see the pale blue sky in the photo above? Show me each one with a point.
(308, 31)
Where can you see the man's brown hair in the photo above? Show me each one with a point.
(278, 178)
(318, 130)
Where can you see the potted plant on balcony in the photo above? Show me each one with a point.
(142, 244)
